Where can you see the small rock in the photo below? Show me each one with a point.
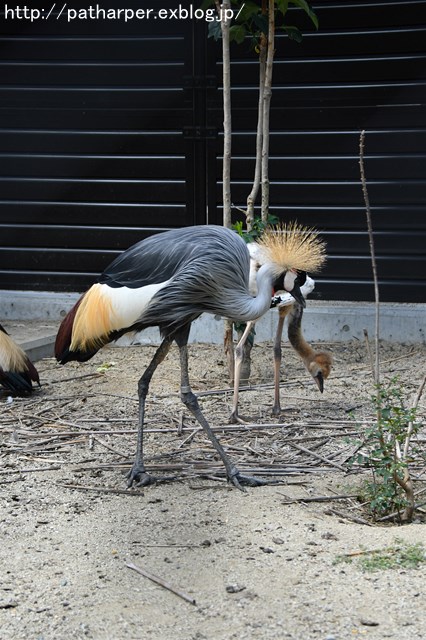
(11, 603)
(368, 622)
(277, 540)
(267, 550)
(329, 536)
(235, 588)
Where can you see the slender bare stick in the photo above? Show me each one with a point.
(161, 582)
(373, 256)
(121, 492)
(316, 455)
(316, 499)
(370, 356)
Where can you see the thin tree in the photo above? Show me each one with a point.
(225, 23)
(266, 106)
(224, 13)
(257, 20)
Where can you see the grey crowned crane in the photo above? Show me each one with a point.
(168, 280)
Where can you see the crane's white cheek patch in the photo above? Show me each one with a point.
(289, 280)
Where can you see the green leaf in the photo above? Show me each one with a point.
(249, 10)
(302, 4)
(206, 3)
(261, 23)
(215, 31)
(237, 32)
(293, 33)
(282, 6)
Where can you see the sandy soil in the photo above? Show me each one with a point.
(256, 566)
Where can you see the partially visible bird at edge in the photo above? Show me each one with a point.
(168, 280)
(17, 372)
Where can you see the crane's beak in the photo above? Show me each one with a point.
(319, 379)
(297, 295)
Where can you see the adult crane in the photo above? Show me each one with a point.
(17, 372)
(168, 280)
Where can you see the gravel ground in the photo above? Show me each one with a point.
(254, 565)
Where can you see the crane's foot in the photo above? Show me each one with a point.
(240, 481)
(234, 418)
(276, 410)
(140, 478)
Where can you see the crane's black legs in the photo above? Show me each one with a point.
(191, 402)
(137, 474)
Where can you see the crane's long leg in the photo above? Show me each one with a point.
(137, 474)
(283, 312)
(239, 354)
(276, 409)
(191, 402)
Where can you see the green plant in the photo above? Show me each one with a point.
(251, 20)
(385, 449)
(399, 555)
(257, 229)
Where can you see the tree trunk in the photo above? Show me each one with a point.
(227, 124)
(266, 107)
(226, 172)
(251, 199)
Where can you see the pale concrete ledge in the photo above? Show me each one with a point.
(32, 318)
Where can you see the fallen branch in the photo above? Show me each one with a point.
(81, 487)
(316, 499)
(73, 378)
(346, 516)
(317, 455)
(161, 582)
(39, 470)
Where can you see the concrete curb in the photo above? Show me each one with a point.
(323, 321)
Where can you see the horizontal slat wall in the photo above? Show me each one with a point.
(364, 69)
(92, 155)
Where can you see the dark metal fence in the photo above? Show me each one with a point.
(111, 130)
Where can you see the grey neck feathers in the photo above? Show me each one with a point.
(253, 308)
